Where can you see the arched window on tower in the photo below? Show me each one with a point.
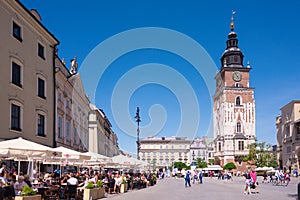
(238, 101)
(238, 127)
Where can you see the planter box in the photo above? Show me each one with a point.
(33, 197)
(88, 193)
(124, 187)
(101, 192)
(95, 193)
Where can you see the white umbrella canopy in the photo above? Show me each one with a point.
(97, 158)
(264, 168)
(21, 149)
(123, 161)
(72, 154)
(68, 157)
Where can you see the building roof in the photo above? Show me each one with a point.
(239, 136)
(37, 19)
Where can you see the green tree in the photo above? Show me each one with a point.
(260, 155)
(200, 163)
(229, 166)
(180, 165)
(211, 161)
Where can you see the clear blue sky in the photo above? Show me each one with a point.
(268, 33)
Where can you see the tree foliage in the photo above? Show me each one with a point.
(229, 166)
(260, 155)
(200, 163)
(180, 165)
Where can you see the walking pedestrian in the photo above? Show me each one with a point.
(254, 179)
(188, 179)
(248, 183)
(200, 176)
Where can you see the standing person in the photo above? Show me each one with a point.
(247, 182)
(200, 176)
(195, 177)
(188, 179)
(265, 175)
(254, 179)
(210, 174)
(2, 169)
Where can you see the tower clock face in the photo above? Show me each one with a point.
(237, 76)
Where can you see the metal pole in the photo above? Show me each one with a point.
(138, 120)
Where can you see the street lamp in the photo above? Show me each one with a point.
(138, 120)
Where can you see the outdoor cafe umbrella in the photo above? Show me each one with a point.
(24, 150)
(21, 149)
(68, 156)
(96, 159)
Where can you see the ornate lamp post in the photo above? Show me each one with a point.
(138, 120)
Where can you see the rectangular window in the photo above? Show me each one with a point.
(287, 130)
(15, 121)
(41, 88)
(219, 146)
(298, 129)
(17, 32)
(288, 149)
(16, 74)
(67, 104)
(60, 127)
(75, 135)
(241, 145)
(68, 131)
(41, 125)
(41, 51)
(59, 97)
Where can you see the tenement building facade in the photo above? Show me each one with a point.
(72, 108)
(26, 75)
(163, 151)
(288, 136)
(202, 148)
(102, 139)
(234, 106)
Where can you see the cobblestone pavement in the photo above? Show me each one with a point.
(174, 189)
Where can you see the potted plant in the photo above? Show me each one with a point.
(90, 191)
(123, 185)
(28, 194)
(101, 189)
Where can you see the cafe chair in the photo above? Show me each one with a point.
(71, 191)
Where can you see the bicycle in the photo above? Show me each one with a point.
(281, 181)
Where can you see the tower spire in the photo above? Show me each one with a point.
(232, 56)
(232, 20)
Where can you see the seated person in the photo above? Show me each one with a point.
(118, 182)
(18, 186)
(144, 179)
(72, 180)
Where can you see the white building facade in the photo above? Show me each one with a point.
(102, 139)
(164, 151)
